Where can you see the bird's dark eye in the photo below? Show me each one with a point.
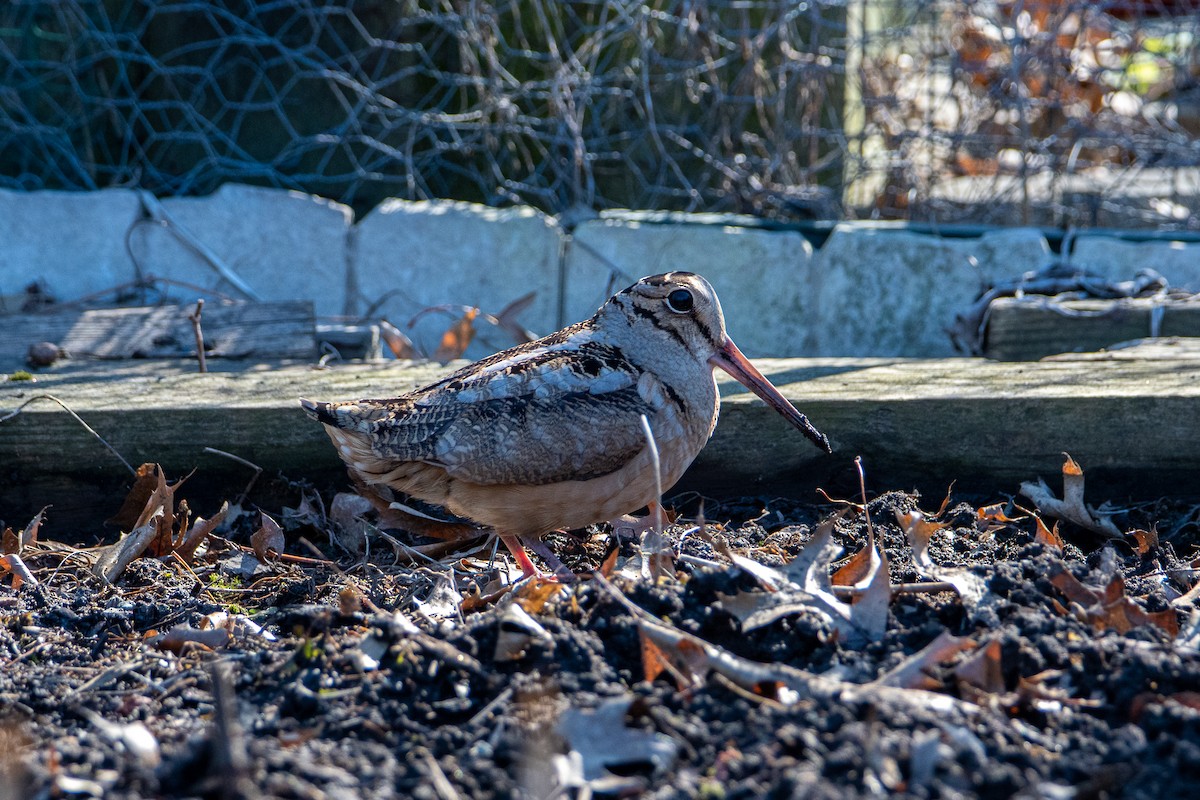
(680, 301)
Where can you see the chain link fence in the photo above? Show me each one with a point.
(1052, 113)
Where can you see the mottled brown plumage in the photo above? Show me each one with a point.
(548, 435)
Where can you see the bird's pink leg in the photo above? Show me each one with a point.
(561, 571)
(513, 544)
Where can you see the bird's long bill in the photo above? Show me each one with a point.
(730, 359)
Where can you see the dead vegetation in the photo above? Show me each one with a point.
(848, 648)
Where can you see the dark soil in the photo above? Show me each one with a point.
(405, 696)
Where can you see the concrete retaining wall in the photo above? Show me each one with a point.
(868, 291)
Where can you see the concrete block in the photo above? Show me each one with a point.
(761, 276)
(1119, 260)
(881, 292)
(284, 245)
(73, 242)
(412, 256)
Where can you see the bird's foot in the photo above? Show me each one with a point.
(631, 527)
(528, 568)
(562, 572)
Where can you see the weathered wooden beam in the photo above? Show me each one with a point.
(231, 330)
(1133, 424)
(1031, 327)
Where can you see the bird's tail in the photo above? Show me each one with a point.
(321, 412)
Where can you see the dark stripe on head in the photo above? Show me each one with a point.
(709, 336)
(653, 318)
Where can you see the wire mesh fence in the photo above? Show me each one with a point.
(1042, 112)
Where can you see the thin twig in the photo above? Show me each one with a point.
(226, 737)
(862, 486)
(843, 592)
(77, 418)
(154, 209)
(257, 469)
(437, 777)
(195, 318)
(653, 447)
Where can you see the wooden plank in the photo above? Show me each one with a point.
(988, 425)
(231, 330)
(1031, 327)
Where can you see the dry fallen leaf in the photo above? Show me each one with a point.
(457, 339)
(981, 671)
(654, 660)
(604, 740)
(518, 630)
(990, 519)
(268, 541)
(1045, 535)
(1146, 540)
(919, 671)
(112, 560)
(972, 589)
(400, 345)
(14, 543)
(145, 481)
(533, 595)
(1071, 507)
(1108, 608)
(349, 530)
(200, 530)
(859, 565)
(804, 584)
(20, 572)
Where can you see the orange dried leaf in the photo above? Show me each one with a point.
(456, 340)
(982, 669)
(610, 563)
(146, 480)
(533, 595)
(654, 661)
(857, 568)
(163, 497)
(1146, 540)
(200, 530)
(20, 572)
(400, 345)
(1069, 585)
(995, 512)
(1073, 484)
(1108, 608)
(12, 542)
(945, 500)
(1045, 535)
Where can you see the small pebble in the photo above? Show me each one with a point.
(43, 354)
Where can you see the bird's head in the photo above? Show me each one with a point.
(680, 311)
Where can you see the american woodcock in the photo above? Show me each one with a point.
(548, 435)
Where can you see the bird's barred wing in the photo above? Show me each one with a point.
(539, 440)
(555, 414)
